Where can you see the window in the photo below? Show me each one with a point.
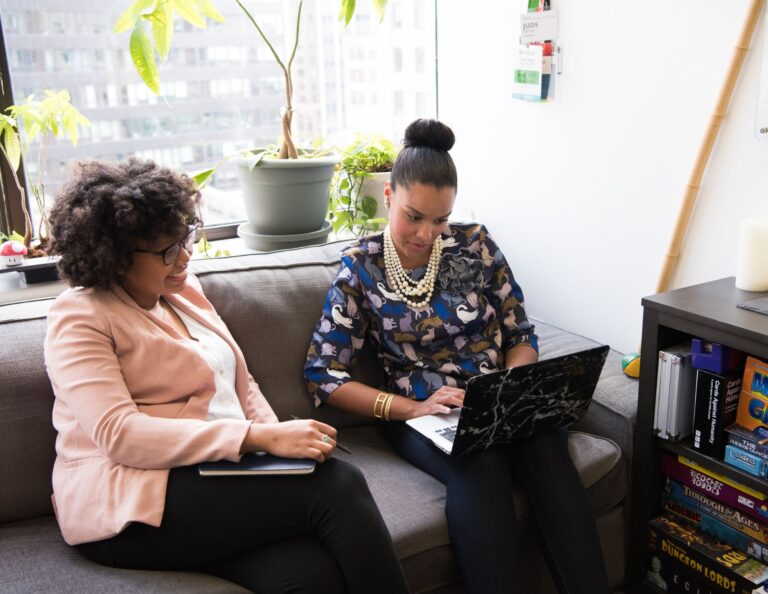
(398, 102)
(222, 90)
(419, 60)
(397, 59)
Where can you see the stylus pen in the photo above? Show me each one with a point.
(338, 445)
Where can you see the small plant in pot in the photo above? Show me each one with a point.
(357, 199)
(285, 191)
(22, 125)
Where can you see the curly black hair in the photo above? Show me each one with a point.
(107, 207)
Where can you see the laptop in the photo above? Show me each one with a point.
(517, 403)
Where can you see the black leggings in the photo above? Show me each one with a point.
(481, 515)
(313, 533)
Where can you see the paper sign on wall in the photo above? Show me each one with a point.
(538, 26)
(528, 71)
(537, 61)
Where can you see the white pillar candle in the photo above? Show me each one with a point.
(752, 268)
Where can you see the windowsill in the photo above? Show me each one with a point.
(14, 289)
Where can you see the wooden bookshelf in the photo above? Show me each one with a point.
(707, 311)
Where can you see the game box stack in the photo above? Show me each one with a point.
(712, 535)
(748, 437)
(684, 559)
(718, 382)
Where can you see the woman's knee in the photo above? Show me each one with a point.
(484, 467)
(301, 565)
(481, 481)
(344, 475)
(543, 456)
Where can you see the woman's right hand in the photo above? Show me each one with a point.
(303, 438)
(439, 403)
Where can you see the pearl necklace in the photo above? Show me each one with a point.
(404, 285)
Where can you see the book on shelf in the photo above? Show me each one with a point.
(716, 401)
(674, 393)
(717, 519)
(715, 563)
(257, 464)
(740, 497)
(752, 413)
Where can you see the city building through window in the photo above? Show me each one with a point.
(221, 88)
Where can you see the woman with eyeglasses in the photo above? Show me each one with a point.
(149, 383)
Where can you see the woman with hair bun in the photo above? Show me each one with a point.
(439, 304)
(149, 382)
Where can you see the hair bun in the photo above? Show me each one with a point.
(430, 133)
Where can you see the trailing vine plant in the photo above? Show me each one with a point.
(349, 209)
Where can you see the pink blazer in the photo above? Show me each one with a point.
(131, 398)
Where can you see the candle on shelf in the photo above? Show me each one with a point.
(752, 267)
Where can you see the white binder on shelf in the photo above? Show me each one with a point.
(662, 396)
(675, 393)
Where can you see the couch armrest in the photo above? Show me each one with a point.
(613, 410)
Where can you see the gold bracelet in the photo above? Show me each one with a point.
(378, 406)
(387, 406)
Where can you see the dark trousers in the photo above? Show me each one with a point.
(314, 533)
(481, 514)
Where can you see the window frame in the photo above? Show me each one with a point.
(11, 212)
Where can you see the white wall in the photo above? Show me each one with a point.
(582, 194)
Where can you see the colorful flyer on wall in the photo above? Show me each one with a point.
(527, 74)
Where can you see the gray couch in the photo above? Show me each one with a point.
(271, 303)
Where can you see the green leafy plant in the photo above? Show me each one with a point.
(13, 236)
(157, 16)
(22, 125)
(206, 248)
(349, 209)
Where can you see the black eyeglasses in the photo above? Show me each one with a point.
(170, 253)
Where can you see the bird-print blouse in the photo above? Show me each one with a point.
(476, 314)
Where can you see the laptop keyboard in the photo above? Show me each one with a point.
(448, 433)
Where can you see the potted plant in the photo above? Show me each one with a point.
(357, 200)
(285, 191)
(22, 125)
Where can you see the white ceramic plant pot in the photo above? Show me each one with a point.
(373, 186)
(287, 196)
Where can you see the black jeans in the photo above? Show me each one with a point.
(481, 514)
(312, 533)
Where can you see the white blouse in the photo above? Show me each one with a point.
(219, 355)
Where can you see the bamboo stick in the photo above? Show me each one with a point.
(705, 150)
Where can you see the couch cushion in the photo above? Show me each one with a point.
(34, 558)
(26, 433)
(614, 405)
(413, 503)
